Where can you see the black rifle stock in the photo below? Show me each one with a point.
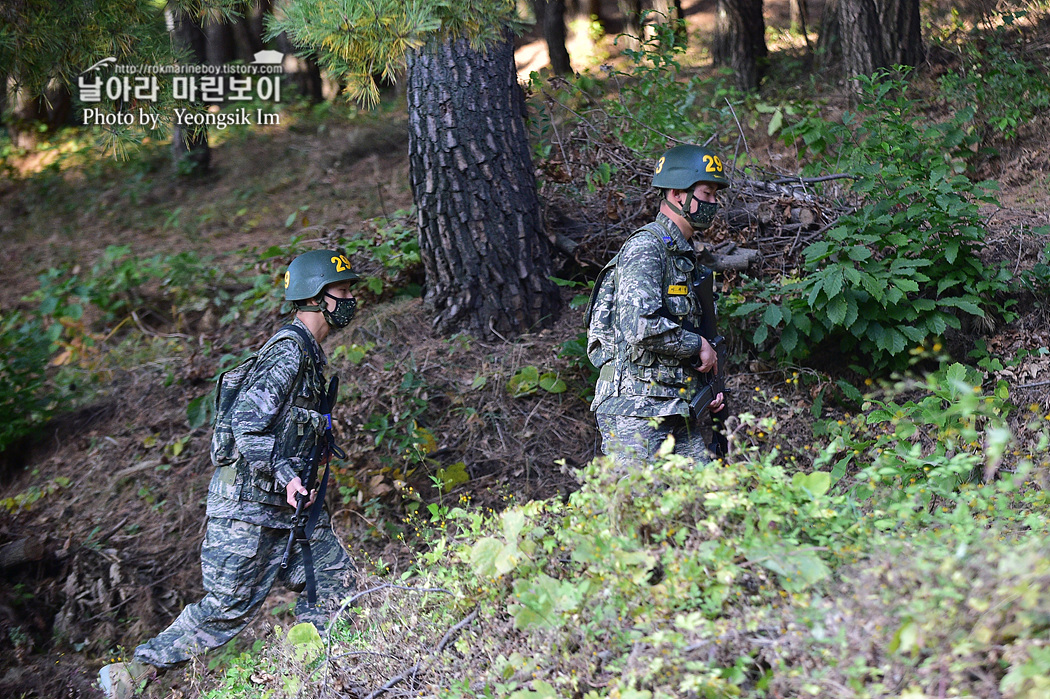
(714, 382)
(303, 519)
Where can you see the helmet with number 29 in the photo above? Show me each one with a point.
(312, 271)
(682, 167)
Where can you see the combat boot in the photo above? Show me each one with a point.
(124, 680)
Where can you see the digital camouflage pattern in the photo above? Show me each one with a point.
(275, 425)
(644, 300)
(273, 434)
(633, 440)
(241, 562)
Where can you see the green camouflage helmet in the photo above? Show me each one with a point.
(312, 271)
(682, 167)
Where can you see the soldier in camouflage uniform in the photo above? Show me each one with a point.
(650, 363)
(275, 421)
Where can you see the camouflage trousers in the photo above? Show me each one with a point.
(633, 440)
(240, 563)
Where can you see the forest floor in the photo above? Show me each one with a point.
(122, 536)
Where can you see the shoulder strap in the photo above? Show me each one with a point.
(306, 342)
(303, 340)
(650, 228)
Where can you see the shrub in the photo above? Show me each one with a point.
(905, 266)
(24, 399)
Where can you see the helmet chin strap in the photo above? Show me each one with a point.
(686, 205)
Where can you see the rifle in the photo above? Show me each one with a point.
(703, 290)
(303, 521)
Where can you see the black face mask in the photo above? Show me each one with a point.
(700, 219)
(343, 313)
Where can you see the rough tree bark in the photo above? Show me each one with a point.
(189, 144)
(879, 34)
(740, 40)
(631, 11)
(902, 32)
(486, 257)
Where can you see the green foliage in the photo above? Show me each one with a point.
(528, 380)
(389, 253)
(26, 499)
(905, 265)
(1005, 83)
(1037, 279)
(926, 448)
(24, 397)
(357, 40)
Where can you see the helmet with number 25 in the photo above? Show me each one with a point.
(312, 271)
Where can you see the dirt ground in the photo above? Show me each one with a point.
(121, 540)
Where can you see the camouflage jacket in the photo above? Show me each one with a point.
(275, 424)
(648, 369)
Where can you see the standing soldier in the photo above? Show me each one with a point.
(643, 319)
(276, 416)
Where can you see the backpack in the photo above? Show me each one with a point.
(601, 338)
(228, 387)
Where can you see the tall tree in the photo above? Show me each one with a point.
(486, 257)
(740, 41)
(878, 34)
(481, 237)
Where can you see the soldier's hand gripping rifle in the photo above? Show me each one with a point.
(304, 521)
(714, 382)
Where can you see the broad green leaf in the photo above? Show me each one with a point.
(304, 642)
(513, 522)
(551, 383)
(837, 310)
(772, 316)
(483, 556)
(814, 484)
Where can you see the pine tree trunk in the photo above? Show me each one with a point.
(631, 10)
(486, 257)
(740, 40)
(902, 32)
(862, 51)
(829, 42)
(219, 48)
(189, 144)
(307, 75)
(879, 34)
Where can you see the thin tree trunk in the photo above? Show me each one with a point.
(307, 75)
(486, 257)
(189, 144)
(552, 15)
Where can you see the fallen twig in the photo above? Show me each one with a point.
(394, 681)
